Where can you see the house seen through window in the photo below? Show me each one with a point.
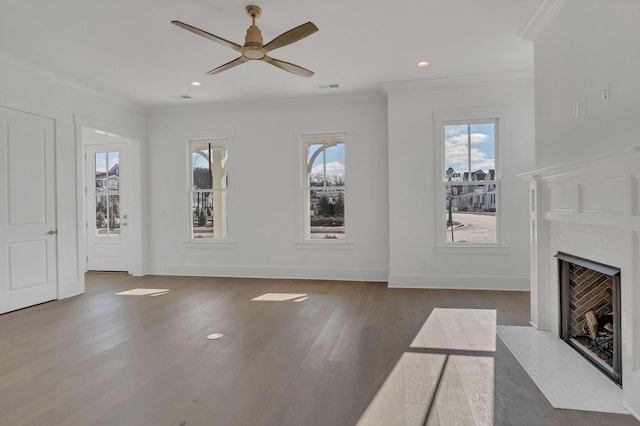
(323, 187)
(209, 183)
(469, 182)
(107, 194)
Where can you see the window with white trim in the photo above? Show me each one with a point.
(323, 187)
(469, 184)
(208, 183)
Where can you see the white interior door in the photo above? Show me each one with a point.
(28, 271)
(106, 207)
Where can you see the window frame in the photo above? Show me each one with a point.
(304, 191)
(224, 142)
(471, 116)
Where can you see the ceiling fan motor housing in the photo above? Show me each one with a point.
(253, 37)
(253, 42)
(252, 48)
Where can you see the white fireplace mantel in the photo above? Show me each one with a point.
(591, 209)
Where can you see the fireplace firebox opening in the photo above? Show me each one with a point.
(590, 312)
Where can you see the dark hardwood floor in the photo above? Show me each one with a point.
(317, 359)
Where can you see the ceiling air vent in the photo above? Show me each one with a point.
(329, 86)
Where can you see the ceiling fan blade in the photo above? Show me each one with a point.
(205, 34)
(287, 66)
(291, 36)
(234, 63)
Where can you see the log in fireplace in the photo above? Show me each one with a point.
(590, 312)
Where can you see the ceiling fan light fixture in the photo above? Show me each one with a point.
(195, 84)
(253, 54)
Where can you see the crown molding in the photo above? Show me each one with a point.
(444, 82)
(545, 13)
(22, 65)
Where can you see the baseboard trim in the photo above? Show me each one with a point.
(633, 412)
(459, 282)
(337, 274)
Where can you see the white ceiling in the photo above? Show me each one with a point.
(130, 49)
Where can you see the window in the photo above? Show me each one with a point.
(208, 181)
(469, 183)
(323, 187)
(107, 165)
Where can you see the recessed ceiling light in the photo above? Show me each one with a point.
(195, 84)
(422, 64)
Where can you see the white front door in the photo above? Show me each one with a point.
(107, 207)
(28, 270)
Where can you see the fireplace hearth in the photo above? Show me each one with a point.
(590, 311)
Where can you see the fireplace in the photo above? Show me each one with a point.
(590, 209)
(590, 311)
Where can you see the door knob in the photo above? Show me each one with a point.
(52, 231)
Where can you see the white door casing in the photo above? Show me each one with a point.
(28, 234)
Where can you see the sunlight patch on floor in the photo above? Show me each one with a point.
(144, 292)
(446, 377)
(281, 297)
(458, 329)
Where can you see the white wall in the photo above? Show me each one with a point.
(390, 181)
(415, 260)
(589, 45)
(26, 88)
(264, 184)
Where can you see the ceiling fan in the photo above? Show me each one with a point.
(254, 49)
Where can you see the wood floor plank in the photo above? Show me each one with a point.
(346, 353)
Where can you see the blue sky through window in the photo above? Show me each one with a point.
(482, 146)
(199, 161)
(200, 152)
(334, 160)
(101, 161)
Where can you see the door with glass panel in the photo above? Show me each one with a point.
(106, 207)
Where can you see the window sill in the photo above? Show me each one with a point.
(325, 245)
(227, 244)
(472, 249)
